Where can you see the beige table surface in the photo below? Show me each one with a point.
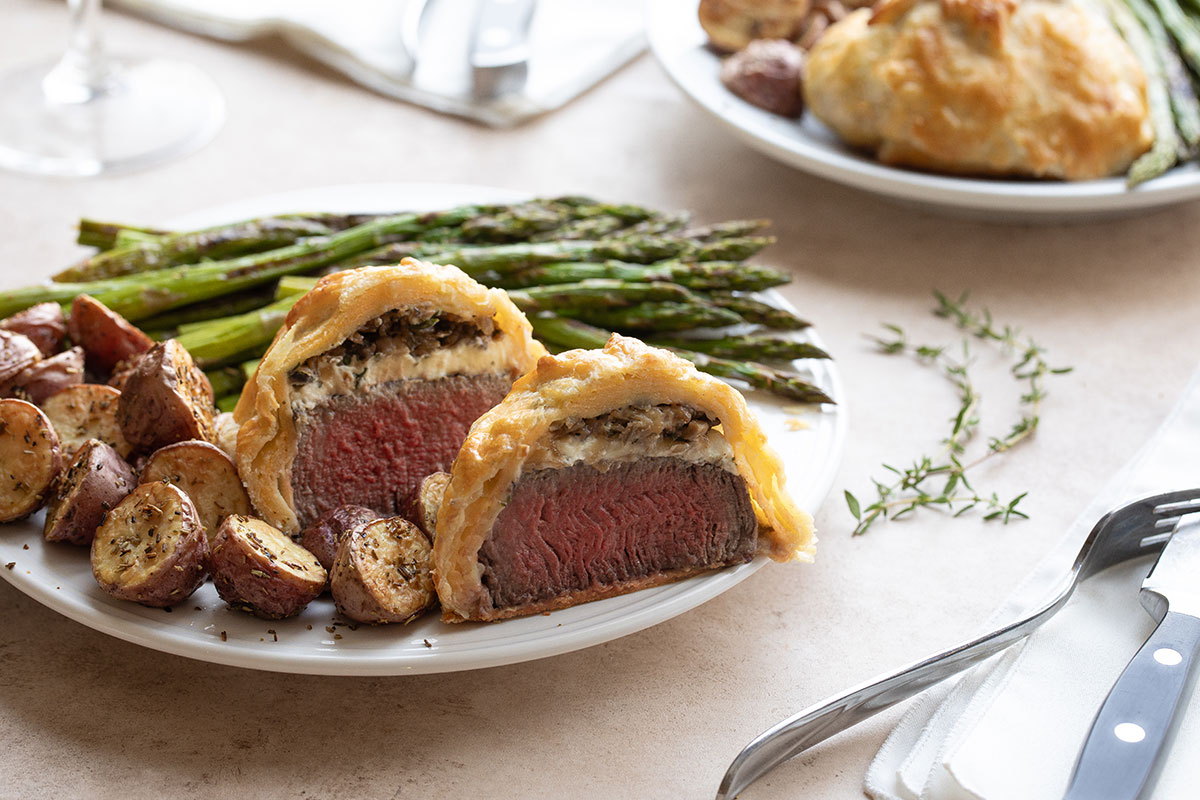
(658, 714)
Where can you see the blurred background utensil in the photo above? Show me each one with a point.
(87, 113)
(500, 47)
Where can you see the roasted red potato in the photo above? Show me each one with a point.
(429, 500)
(382, 572)
(17, 354)
(151, 548)
(105, 336)
(46, 378)
(206, 475)
(87, 411)
(95, 483)
(166, 399)
(227, 433)
(30, 458)
(259, 569)
(323, 536)
(44, 324)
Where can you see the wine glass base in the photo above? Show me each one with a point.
(148, 112)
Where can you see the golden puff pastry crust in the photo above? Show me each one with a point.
(583, 384)
(335, 308)
(1040, 88)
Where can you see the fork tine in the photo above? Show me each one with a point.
(1174, 510)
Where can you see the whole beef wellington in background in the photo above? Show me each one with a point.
(602, 472)
(371, 385)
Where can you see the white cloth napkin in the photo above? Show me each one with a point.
(574, 44)
(1011, 729)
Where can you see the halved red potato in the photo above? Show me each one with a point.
(95, 483)
(44, 324)
(323, 536)
(106, 336)
(151, 548)
(41, 381)
(30, 458)
(166, 399)
(227, 432)
(17, 353)
(206, 475)
(259, 569)
(382, 572)
(429, 500)
(87, 411)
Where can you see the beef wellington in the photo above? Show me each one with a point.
(371, 385)
(602, 472)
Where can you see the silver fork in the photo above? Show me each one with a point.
(1137, 529)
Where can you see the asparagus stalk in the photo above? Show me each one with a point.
(762, 347)
(599, 294)
(104, 235)
(695, 275)
(664, 225)
(174, 249)
(568, 333)
(733, 229)
(1184, 103)
(505, 259)
(227, 306)
(224, 340)
(139, 296)
(654, 316)
(1164, 152)
(757, 312)
(225, 380)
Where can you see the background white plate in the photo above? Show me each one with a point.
(679, 43)
(317, 641)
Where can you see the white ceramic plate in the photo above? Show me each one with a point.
(317, 642)
(678, 42)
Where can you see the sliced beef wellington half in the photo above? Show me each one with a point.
(371, 385)
(602, 472)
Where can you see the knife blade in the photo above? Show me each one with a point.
(1135, 723)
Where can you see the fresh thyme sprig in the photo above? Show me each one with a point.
(916, 486)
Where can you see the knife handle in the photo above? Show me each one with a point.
(1119, 756)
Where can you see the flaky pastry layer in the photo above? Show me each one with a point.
(585, 384)
(337, 306)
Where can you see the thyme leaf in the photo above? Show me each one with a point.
(940, 481)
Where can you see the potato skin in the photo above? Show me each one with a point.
(41, 381)
(130, 533)
(30, 458)
(323, 536)
(17, 353)
(206, 475)
(95, 483)
(86, 411)
(258, 569)
(166, 399)
(382, 573)
(105, 336)
(44, 324)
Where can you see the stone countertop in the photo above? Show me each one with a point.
(658, 714)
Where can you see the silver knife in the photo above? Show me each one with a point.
(500, 47)
(1119, 758)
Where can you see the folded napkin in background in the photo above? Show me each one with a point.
(574, 44)
(1012, 728)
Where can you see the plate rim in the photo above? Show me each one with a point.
(674, 36)
(637, 611)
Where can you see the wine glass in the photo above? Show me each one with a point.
(86, 113)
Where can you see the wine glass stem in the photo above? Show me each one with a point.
(84, 71)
